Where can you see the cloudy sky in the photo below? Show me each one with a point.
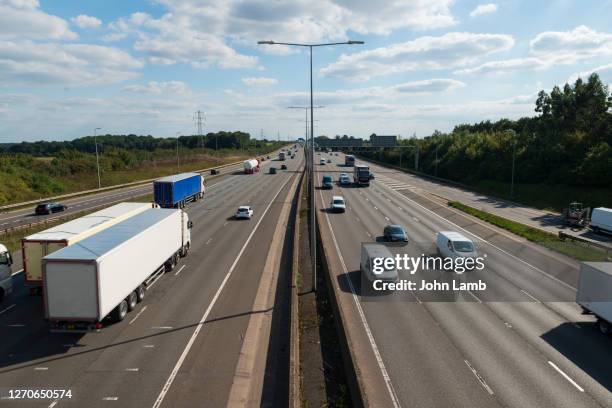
(145, 66)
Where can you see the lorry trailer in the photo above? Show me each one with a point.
(251, 166)
(109, 272)
(36, 246)
(594, 293)
(361, 175)
(281, 156)
(349, 160)
(177, 190)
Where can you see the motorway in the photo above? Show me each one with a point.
(546, 220)
(89, 202)
(521, 343)
(182, 344)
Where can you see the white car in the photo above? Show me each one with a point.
(345, 180)
(338, 204)
(322, 161)
(244, 211)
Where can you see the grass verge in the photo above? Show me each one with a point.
(578, 250)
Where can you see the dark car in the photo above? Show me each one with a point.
(327, 182)
(283, 167)
(395, 233)
(49, 208)
(214, 172)
(268, 157)
(272, 170)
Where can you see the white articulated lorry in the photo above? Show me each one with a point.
(109, 272)
(36, 246)
(594, 293)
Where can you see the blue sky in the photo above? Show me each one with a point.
(146, 66)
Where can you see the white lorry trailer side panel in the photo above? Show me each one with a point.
(595, 288)
(125, 255)
(601, 218)
(73, 290)
(36, 246)
(128, 265)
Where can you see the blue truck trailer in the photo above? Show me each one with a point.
(177, 190)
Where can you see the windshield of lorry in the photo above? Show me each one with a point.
(463, 246)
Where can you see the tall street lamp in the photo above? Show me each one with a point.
(312, 203)
(97, 160)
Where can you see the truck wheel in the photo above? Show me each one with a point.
(120, 311)
(132, 300)
(604, 327)
(141, 293)
(185, 251)
(170, 263)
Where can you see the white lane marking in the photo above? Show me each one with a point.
(364, 322)
(137, 315)
(110, 398)
(16, 273)
(475, 297)
(387, 218)
(179, 271)
(567, 377)
(161, 327)
(479, 377)
(41, 368)
(148, 346)
(528, 294)
(8, 308)
(488, 243)
(179, 363)
(54, 403)
(209, 241)
(150, 285)
(16, 325)
(225, 223)
(131, 369)
(369, 235)
(376, 208)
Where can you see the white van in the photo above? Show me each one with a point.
(601, 219)
(452, 244)
(6, 281)
(338, 204)
(371, 251)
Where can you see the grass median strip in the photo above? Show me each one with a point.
(577, 250)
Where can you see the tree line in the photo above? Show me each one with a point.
(568, 142)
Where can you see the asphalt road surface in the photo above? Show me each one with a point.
(180, 347)
(521, 343)
(545, 220)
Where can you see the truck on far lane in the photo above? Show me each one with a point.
(361, 175)
(177, 190)
(349, 160)
(109, 272)
(251, 166)
(281, 156)
(594, 293)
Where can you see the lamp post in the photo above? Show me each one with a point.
(97, 159)
(177, 151)
(513, 133)
(312, 201)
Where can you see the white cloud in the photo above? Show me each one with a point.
(84, 21)
(446, 51)
(259, 81)
(570, 46)
(503, 66)
(483, 9)
(22, 19)
(154, 87)
(28, 63)
(604, 70)
(429, 86)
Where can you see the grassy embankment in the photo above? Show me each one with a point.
(27, 178)
(574, 249)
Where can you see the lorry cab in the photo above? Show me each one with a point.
(187, 226)
(372, 271)
(6, 282)
(452, 244)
